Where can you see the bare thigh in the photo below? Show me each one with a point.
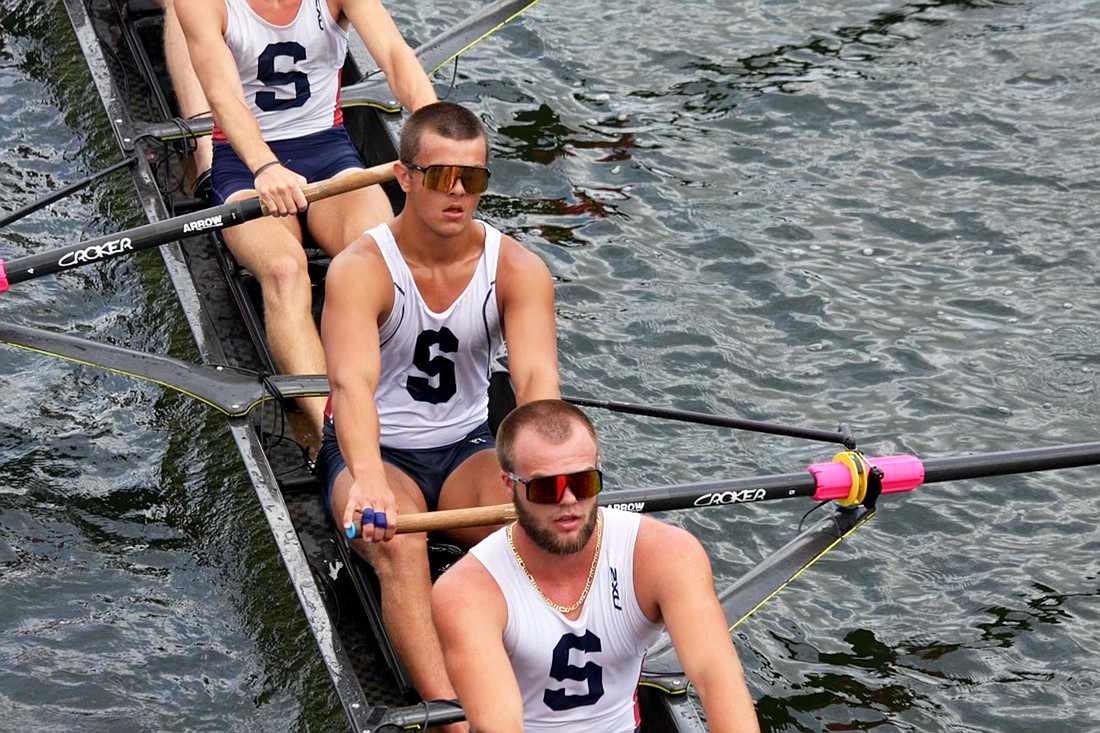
(265, 244)
(409, 498)
(476, 482)
(336, 222)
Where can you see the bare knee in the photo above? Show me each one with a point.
(401, 557)
(285, 269)
(284, 278)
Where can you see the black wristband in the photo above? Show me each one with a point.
(264, 167)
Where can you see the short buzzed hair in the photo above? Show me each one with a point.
(450, 120)
(551, 420)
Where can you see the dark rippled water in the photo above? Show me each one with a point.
(883, 214)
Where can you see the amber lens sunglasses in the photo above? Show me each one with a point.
(550, 489)
(442, 178)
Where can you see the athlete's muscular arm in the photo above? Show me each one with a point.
(675, 585)
(526, 298)
(403, 71)
(358, 292)
(204, 23)
(470, 615)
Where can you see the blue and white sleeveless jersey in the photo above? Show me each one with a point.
(583, 674)
(436, 366)
(291, 73)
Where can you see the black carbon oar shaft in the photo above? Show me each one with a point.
(1027, 460)
(157, 233)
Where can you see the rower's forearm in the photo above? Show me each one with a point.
(242, 131)
(490, 717)
(729, 710)
(537, 385)
(358, 433)
(417, 95)
(412, 87)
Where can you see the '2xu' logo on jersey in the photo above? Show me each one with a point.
(440, 367)
(561, 670)
(265, 72)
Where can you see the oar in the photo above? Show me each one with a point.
(438, 51)
(155, 234)
(849, 478)
(842, 436)
(833, 480)
(841, 480)
(65, 191)
(374, 90)
(233, 392)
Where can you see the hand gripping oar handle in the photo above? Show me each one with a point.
(157, 233)
(480, 516)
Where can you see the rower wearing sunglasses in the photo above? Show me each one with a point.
(545, 624)
(415, 311)
(271, 72)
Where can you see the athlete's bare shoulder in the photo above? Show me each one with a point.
(359, 273)
(515, 259)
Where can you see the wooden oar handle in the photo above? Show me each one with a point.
(348, 182)
(455, 518)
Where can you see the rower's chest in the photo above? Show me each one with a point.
(439, 287)
(276, 12)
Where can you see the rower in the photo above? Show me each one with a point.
(270, 70)
(545, 624)
(415, 312)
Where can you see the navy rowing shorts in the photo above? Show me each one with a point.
(429, 468)
(317, 157)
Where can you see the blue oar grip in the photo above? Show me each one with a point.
(367, 518)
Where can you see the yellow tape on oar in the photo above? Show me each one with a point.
(858, 468)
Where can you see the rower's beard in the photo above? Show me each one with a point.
(547, 539)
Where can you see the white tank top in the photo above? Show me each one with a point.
(576, 675)
(436, 366)
(291, 73)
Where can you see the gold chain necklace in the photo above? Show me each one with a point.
(591, 571)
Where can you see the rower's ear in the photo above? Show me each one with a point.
(509, 484)
(403, 176)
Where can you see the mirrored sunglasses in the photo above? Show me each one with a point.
(550, 489)
(442, 178)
